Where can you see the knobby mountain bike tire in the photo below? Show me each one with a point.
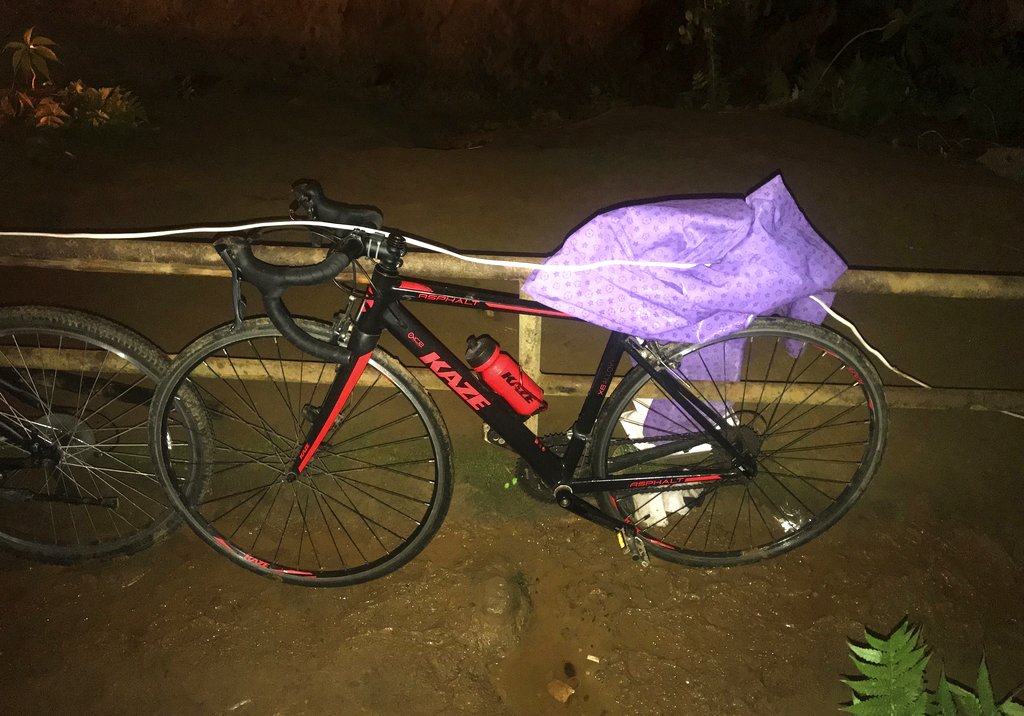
(802, 399)
(374, 494)
(78, 386)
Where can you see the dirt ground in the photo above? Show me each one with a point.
(512, 594)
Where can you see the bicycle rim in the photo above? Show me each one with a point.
(82, 386)
(370, 499)
(801, 399)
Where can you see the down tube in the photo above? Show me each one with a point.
(488, 406)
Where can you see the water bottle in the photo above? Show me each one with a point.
(504, 376)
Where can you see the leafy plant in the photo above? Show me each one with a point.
(708, 84)
(111, 107)
(30, 57)
(75, 105)
(48, 112)
(993, 97)
(930, 64)
(14, 105)
(892, 682)
(861, 96)
(924, 31)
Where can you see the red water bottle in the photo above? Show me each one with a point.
(504, 376)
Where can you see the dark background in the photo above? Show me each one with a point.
(858, 64)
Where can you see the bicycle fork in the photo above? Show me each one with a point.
(362, 340)
(330, 410)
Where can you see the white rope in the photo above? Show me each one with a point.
(871, 349)
(569, 268)
(867, 346)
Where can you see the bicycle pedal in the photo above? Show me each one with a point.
(632, 545)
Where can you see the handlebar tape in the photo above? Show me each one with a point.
(271, 280)
(283, 321)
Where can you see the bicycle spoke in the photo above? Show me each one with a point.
(362, 517)
(809, 482)
(789, 404)
(809, 431)
(364, 496)
(330, 532)
(86, 400)
(268, 433)
(114, 483)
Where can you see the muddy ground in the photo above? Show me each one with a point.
(512, 594)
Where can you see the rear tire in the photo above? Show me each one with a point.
(818, 432)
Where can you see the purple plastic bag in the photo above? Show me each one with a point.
(754, 256)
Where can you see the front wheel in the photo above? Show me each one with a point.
(799, 398)
(371, 498)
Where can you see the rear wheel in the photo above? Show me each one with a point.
(374, 494)
(802, 400)
(76, 480)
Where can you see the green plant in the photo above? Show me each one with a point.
(708, 86)
(110, 107)
(14, 105)
(76, 105)
(892, 682)
(994, 97)
(861, 96)
(48, 112)
(30, 57)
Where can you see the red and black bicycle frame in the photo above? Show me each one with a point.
(383, 310)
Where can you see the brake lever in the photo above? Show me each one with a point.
(238, 303)
(301, 208)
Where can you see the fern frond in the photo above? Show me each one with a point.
(986, 699)
(943, 705)
(892, 670)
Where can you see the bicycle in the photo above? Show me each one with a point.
(326, 463)
(76, 481)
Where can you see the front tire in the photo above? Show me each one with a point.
(374, 494)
